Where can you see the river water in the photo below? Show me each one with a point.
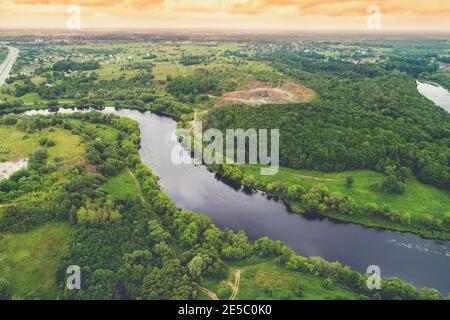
(439, 95)
(423, 262)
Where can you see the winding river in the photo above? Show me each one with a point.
(423, 262)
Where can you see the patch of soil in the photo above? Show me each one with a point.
(9, 167)
(258, 93)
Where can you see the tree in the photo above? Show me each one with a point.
(429, 294)
(391, 184)
(156, 232)
(223, 290)
(267, 247)
(294, 192)
(214, 237)
(39, 155)
(5, 290)
(190, 234)
(170, 282)
(98, 211)
(103, 285)
(195, 266)
(395, 288)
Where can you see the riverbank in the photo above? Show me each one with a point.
(418, 199)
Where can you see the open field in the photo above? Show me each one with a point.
(29, 260)
(102, 130)
(17, 144)
(122, 186)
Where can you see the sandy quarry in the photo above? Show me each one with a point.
(258, 93)
(9, 167)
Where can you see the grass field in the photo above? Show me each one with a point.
(122, 186)
(262, 279)
(29, 260)
(418, 199)
(17, 144)
(103, 130)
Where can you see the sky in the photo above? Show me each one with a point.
(306, 15)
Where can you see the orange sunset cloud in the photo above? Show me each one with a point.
(407, 15)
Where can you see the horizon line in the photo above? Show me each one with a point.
(186, 29)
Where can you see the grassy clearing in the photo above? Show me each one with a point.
(29, 260)
(103, 130)
(18, 144)
(122, 186)
(262, 279)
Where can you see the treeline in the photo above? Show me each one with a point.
(187, 60)
(71, 65)
(197, 87)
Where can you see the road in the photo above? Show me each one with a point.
(7, 65)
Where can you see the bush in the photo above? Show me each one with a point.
(430, 222)
(328, 284)
(447, 219)
(223, 290)
(39, 155)
(391, 184)
(371, 209)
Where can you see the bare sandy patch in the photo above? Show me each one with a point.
(9, 167)
(258, 93)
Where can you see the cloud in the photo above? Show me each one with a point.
(345, 7)
(256, 7)
(416, 14)
(92, 3)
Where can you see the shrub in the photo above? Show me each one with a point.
(430, 222)
(371, 209)
(447, 219)
(391, 184)
(223, 290)
(328, 284)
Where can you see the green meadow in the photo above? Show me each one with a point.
(29, 260)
